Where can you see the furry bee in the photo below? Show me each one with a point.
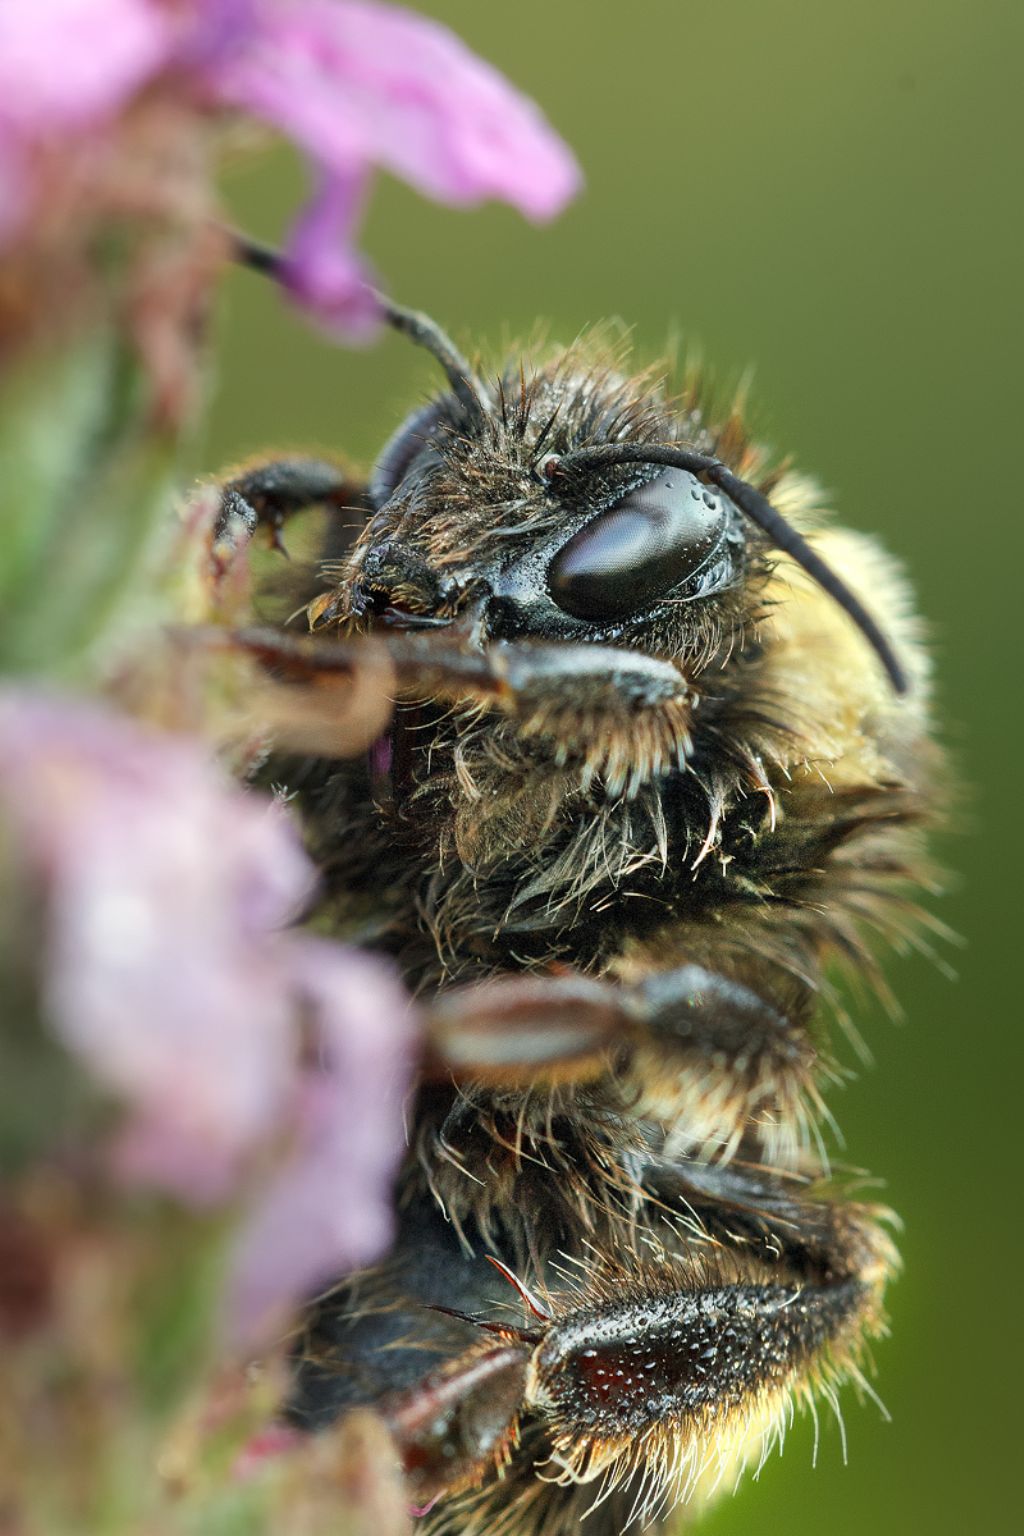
(659, 763)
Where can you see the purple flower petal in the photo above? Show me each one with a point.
(165, 890)
(66, 65)
(168, 974)
(329, 1208)
(67, 62)
(359, 84)
(356, 85)
(322, 272)
(15, 189)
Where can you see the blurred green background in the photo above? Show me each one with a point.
(830, 193)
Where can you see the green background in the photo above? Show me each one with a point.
(830, 193)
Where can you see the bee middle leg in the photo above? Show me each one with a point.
(619, 715)
(693, 1050)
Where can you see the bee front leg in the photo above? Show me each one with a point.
(266, 494)
(251, 506)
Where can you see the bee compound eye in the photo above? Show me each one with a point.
(631, 556)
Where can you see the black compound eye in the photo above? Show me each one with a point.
(631, 556)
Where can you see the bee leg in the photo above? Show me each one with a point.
(688, 1037)
(776, 1217)
(412, 1340)
(620, 715)
(460, 1421)
(263, 496)
(524, 677)
(266, 494)
(716, 1063)
(516, 1031)
(686, 1371)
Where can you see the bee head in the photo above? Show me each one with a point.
(471, 528)
(575, 505)
(572, 507)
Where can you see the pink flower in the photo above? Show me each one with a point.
(166, 893)
(356, 85)
(56, 78)
(168, 972)
(360, 84)
(327, 1210)
(322, 271)
(71, 63)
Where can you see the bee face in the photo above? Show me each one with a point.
(588, 510)
(644, 785)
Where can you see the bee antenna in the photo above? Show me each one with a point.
(426, 333)
(760, 511)
(420, 329)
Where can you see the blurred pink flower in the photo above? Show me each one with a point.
(168, 973)
(327, 1210)
(70, 63)
(355, 84)
(323, 273)
(56, 80)
(165, 892)
(358, 84)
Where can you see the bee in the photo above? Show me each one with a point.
(658, 766)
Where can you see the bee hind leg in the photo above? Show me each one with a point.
(684, 1370)
(424, 1341)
